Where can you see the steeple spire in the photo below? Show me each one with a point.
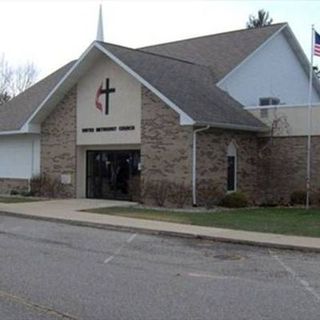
(100, 36)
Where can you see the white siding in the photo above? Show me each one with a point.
(272, 71)
(19, 156)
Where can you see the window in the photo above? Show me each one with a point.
(269, 101)
(232, 167)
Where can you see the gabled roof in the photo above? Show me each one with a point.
(15, 112)
(184, 74)
(222, 52)
(189, 86)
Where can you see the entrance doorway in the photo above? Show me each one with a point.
(113, 174)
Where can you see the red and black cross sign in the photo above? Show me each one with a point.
(106, 92)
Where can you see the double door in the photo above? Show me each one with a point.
(111, 174)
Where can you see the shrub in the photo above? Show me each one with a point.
(180, 194)
(135, 188)
(268, 204)
(315, 197)
(145, 188)
(209, 195)
(159, 191)
(26, 193)
(44, 185)
(235, 200)
(14, 192)
(298, 197)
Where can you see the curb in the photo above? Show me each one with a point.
(163, 232)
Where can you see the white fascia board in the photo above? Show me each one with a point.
(184, 118)
(232, 126)
(13, 132)
(82, 57)
(282, 106)
(302, 57)
(251, 55)
(31, 128)
(25, 129)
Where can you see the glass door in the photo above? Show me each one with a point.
(110, 174)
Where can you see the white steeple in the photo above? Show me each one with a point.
(100, 36)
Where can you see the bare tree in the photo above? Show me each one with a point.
(261, 20)
(279, 126)
(15, 80)
(5, 80)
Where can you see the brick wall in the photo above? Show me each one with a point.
(7, 185)
(282, 167)
(166, 147)
(58, 143)
(212, 148)
(166, 152)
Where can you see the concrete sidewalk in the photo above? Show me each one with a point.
(66, 211)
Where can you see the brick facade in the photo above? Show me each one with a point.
(7, 185)
(282, 167)
(166, 147)
(212, 148)
(58, 144)
(265, 174)
(166, 152)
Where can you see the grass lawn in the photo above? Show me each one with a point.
(16, 199)
(290, 221)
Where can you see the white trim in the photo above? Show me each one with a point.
(59, 84)
(232, 126)
(31, 128)
(6, 133)
(251, 55)
(186, 118)
(302, 57)
(281, 106)
(25, 129)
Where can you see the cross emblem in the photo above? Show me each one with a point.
(106, 92)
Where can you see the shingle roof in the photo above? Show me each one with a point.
(186, 72)
(222, 52)
(190, 86)
(15, 112)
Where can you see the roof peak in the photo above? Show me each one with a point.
(151, 53)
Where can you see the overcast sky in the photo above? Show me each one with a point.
(51, 33)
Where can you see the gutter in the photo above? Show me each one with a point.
(13, 132)
(194, 164)
(232, 126)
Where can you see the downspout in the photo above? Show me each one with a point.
(32, 164)
(194, 164)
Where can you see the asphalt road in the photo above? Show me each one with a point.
(56, 271)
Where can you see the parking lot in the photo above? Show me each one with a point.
(57, 271)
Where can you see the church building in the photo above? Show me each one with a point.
(169, 124)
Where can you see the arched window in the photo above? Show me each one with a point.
(232, 167)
